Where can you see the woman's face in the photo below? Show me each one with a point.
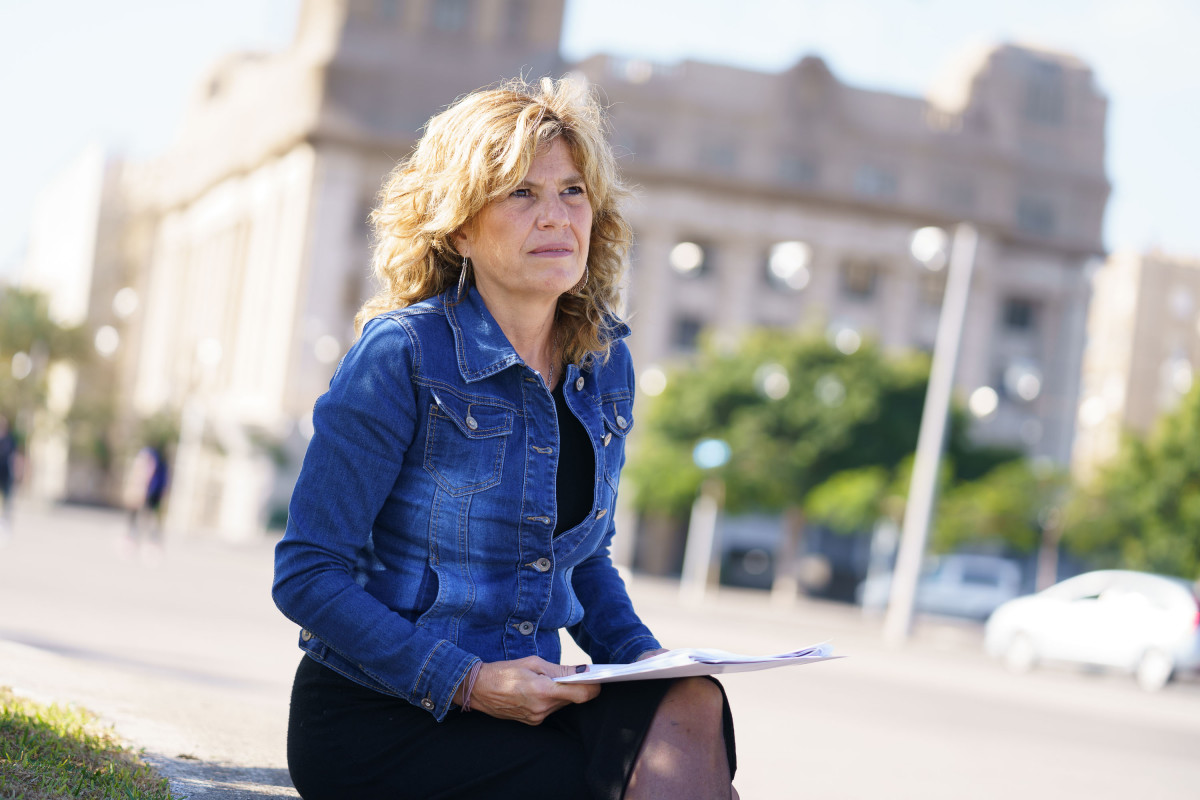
(533, 244)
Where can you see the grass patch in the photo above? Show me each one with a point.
(52, 752)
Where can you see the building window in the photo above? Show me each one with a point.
(1020, 314)
(1036, 215)
(858, 278)
(389, 10)
(691, 259)
(956, 194)
(450, 15)
(719, 156)
(1045, 94)
(639, 144)
(361, 224)
(874, 181)
(516, 22)
(798, 170)
(786, 265)
(685, 333)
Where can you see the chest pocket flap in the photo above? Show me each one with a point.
(464, 451)
(473, 418)
(618, 415)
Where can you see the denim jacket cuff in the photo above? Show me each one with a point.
(439, 678)
(628, 652)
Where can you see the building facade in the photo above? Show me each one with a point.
(260, 259)
(763, 199)
(791, 198)
(1143, 350)
(87, 246)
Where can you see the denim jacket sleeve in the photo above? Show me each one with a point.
(610, 632)
(363, 427)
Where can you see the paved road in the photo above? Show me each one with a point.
(188, 658)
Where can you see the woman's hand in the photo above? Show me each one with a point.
(524, 690)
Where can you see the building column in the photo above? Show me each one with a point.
(740, 283)
(650, 302)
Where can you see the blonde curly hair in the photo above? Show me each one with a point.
(476, 151)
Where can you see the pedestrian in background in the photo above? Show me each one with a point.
(8, 476)
(456, 504)
(144, 489)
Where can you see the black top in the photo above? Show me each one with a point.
(576, 467)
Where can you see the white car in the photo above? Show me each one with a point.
(958, 585)
(1137, 622)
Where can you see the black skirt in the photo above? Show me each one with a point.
(348, 742)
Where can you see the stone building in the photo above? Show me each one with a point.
(1143, 349)
(261, 254)
(87, 245)
(797, 196)
(764, 199)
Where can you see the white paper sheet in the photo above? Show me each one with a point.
(690, 661)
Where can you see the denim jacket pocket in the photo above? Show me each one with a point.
(618, 422)
(464, 448)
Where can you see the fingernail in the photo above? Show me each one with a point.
(581, 668)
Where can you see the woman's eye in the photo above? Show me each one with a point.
(574, 190)
(523, 192)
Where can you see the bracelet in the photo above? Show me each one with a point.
(471, 676)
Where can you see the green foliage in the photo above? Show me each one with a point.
(1006, 505)
(850, 500)
(26, 328)
(53, 752)
(837, 444)
(1143, 509)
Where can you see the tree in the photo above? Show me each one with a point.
(1143, 510)
(1008, 506)
(793, 410)
(798, 415)
(29, 340)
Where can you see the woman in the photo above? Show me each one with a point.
(455, 506)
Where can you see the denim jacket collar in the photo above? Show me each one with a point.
(480, 345)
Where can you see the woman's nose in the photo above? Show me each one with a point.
(553, 213)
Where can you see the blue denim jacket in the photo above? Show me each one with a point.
(420, 536)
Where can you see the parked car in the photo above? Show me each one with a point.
(959, 585)
(1137, 622)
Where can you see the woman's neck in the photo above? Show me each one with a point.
(530, 329)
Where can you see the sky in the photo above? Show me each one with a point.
(118, 72)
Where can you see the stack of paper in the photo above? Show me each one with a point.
(696, 661)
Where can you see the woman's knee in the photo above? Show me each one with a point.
(699, 699)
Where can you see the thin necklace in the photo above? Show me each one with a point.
(553, 354)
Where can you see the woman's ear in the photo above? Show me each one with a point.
(461, 243)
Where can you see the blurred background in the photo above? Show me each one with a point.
(836, 201)
(184, 243)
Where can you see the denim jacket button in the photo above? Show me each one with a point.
(542, 564)
(427, 703)
(472, 424)
(579, 384)
(525, 628)
(306, 635)
(621, 423)
(607, 439)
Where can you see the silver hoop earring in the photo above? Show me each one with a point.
(462, 277)
(579, 287)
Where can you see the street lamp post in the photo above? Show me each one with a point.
(708, 455)
(922, 491)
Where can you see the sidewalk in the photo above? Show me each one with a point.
(188, 658)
